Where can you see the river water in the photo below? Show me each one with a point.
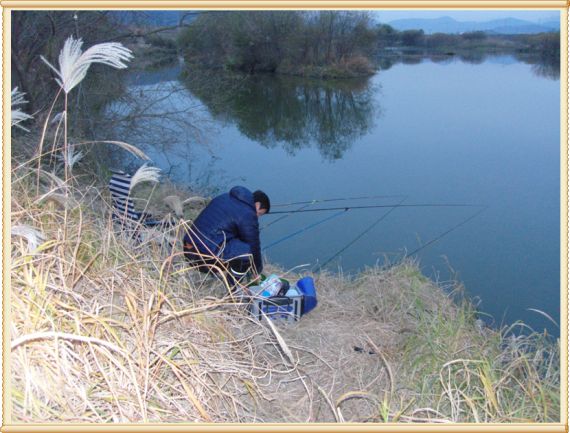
(484, 134)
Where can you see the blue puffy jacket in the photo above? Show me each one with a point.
(228, 227)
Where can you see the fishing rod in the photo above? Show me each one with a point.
(342, 210)
(281, 218)
(437, 238)
(311, 202)
(304, 229)
(374, 224)
(377, 206)
(369, 197)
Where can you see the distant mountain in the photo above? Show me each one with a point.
(553, 24)
(499, 26)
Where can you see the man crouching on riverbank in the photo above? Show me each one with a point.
(228, 230)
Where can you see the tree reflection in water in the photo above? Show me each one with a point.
(542, 65)
(291, 112)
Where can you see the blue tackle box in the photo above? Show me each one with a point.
(287, 308)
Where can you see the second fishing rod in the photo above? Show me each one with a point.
(375, 207)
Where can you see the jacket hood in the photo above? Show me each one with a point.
(242, 194)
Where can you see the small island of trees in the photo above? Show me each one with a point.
(332, 44)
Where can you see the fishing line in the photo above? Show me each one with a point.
(374, 224)
(446, 232)
(305, 229)
(376, 206)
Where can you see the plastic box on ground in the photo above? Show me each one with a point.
(286, 308)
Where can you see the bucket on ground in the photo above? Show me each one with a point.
(307, 287)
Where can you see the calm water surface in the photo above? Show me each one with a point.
(427, 133)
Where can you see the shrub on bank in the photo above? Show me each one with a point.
(352, 67)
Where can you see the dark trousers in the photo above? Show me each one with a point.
(234, 270)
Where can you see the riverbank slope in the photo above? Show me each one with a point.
(106, 329)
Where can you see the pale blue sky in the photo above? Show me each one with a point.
(469, 15)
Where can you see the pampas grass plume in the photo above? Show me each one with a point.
(33, 236)
(72, 157)
(58, 117)
(18, 115)
(17, 97)
(145, 174)
(62, 200)
(59, 183)
(74, 64)
(194, 200)
(174, 202)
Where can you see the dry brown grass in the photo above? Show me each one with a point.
(392, 346)
(106, 330)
